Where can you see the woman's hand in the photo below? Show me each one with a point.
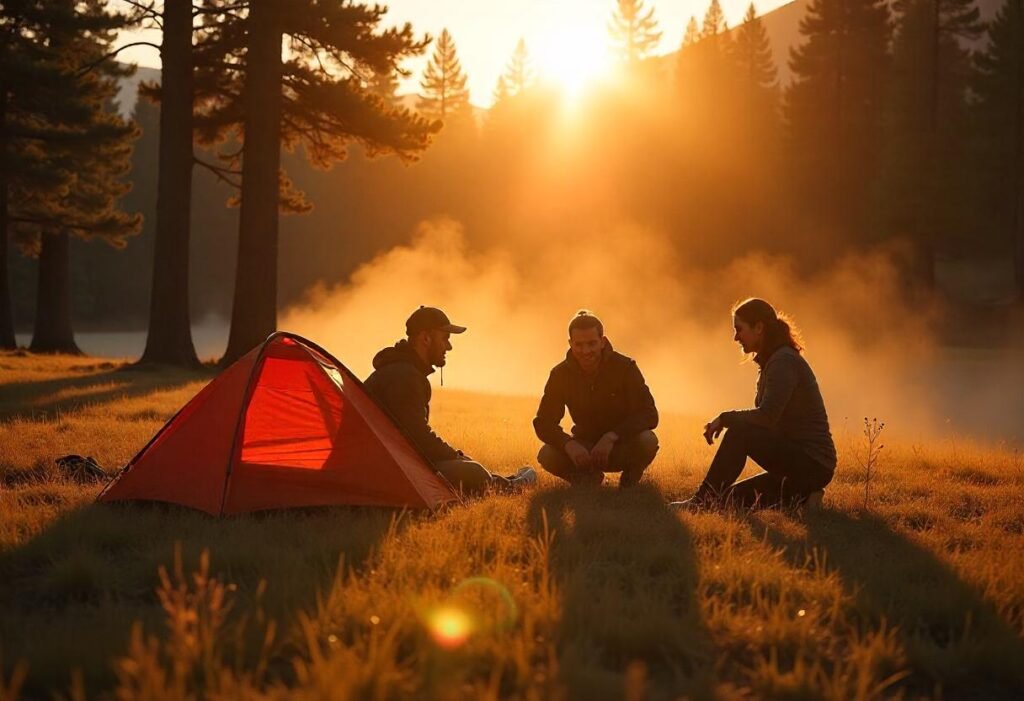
(712, 429)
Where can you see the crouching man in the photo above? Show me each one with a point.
(610, 405)
(399, 384)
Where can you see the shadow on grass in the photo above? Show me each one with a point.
(627, 573)
(69, 596)
(951, 634)
(42, 399)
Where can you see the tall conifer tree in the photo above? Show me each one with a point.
(518, 73)
(714, 21)
(755, 84)
(634, 31)
(928, 125)
(445, 95)
(999, 86)
(692, 34)
(752, 53)
(34, 87)
(834, 106)
(169, 338)
(317, 96)
(67, 147)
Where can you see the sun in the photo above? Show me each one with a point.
(573, 58)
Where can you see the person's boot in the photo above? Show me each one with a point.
(630, 478)
(813, 501)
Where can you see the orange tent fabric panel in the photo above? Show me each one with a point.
(187, 462)
(304, 443)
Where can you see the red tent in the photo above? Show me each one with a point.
(286, 425)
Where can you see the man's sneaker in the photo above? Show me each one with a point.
(525, 476)
(813, 501)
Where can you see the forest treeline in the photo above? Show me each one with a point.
(892, 132)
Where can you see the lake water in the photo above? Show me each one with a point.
(210, 339)
(961, 391)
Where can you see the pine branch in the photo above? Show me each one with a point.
(146, 12)
(92, 65)
(313, 49)
(225, 10)
(221, 173)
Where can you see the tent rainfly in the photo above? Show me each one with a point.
(287, 425)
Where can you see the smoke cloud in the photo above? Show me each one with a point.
(873, 355)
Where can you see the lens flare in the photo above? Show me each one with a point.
(475, 606)
(449, 626)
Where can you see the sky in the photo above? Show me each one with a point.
(486, 33)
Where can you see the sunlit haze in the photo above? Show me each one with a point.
(567, 39)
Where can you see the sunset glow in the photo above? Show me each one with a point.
(573, 59)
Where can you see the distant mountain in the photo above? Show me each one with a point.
(128, 92)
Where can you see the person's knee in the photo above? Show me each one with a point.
(737, 433)
(551, 458)
(638, 452)
(647, 445)
(469, 475)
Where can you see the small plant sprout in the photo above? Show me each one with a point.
(872, 434)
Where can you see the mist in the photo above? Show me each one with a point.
(873, 355)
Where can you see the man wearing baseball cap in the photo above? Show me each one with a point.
(399, 384)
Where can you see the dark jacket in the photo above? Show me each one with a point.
(615, 398)
(788, 400)
(399, 384)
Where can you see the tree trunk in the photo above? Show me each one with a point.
(254, 311)
(6, 317)
(169, 339)
(53, 332)
(1018, 164)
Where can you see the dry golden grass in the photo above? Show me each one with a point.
(553, 593)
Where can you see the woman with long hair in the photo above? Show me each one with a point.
(787, 431)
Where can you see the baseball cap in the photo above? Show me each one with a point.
(430, 319)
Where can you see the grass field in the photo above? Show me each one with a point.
(915, 591)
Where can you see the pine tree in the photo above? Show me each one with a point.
(714, 21)
(999, 86)
(169, 337)
(32, 83)
(444, 83)
(705, 70)
(68, 148)
(752, 53)
(518, 74)
(755, 83)
(317, 97)
(686, 75)
(928, 109)
(833, 107)
(634, 31)
(692, 35)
